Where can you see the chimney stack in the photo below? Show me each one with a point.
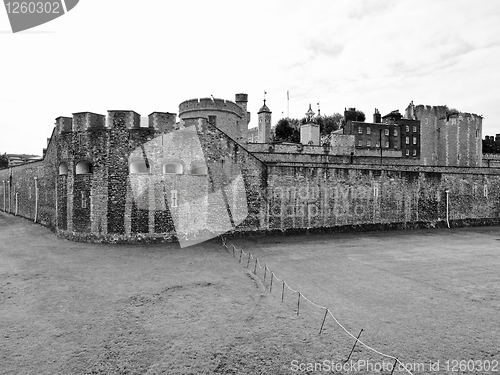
(377, 117)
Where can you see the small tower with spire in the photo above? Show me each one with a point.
(264, 116)
(309, 132)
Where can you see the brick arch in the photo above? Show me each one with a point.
(84, 167)
(63, 168)
(173, 167)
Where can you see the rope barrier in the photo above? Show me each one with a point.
(327, 311)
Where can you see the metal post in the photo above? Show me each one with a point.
(354, 346)
(271, 287)
(447, 207)
(255, 267)
(393, 367)
(241, 253)
(283, 291)
(322, 324)
(248, 262)
(265, 272)
(298, 304)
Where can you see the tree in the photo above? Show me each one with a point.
(354, 115)
(4, 161)
(328, 124)
(287, 130)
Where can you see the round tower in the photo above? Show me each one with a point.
(227, 116)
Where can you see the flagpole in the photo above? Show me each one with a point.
(287, 104)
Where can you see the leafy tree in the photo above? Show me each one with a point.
(355, 115)
(4, 161)
(287, 130)
(328, 124)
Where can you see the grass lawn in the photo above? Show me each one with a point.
(75, 308)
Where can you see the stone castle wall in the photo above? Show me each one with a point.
(248, 188)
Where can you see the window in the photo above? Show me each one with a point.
(173, 198)
(395, 132)
(368, 143)
(173, 168)
(386, 144)
(377, 144)
(360, 143)
(83, 167)
(414, 140)
(375, 190)
(84, 200)
(407, 128)
(415, 152)
(407, 152)
(407, 140)
(29, 192)
(386, 132)
(212, 120)
(138, 167)
(368, 130)
(485, 191)
(360, 130)
(199, 169)
(414, 129)
(63, 169)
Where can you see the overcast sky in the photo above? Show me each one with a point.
(150, 55)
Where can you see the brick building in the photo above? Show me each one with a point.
(387, 136)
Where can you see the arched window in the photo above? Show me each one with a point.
(139, 167)
(199, 168)
(63, 169)
(173, 168)
(83, 167)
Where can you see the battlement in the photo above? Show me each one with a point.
(162, 121)
(209, 104)
(442, 112)
(83, 121)
(64, 124)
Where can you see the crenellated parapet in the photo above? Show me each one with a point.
(123, 120)
(84, 121)
(64, 124)
(162, 121)
(209, 104)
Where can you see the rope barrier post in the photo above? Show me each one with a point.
(354, 346)
(241, 253)
(322, 324)
(271, 287)
(255, 267)
(265, 272)
(283, 291)
(298, 304)
(233, 251)
(248, 262)
(393, 367)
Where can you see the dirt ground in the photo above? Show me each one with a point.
(75, 308)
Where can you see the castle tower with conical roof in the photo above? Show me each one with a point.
(264, 115)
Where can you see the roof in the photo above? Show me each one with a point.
(264, 108)
(394, 113)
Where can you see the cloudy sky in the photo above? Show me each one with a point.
(150, 55)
